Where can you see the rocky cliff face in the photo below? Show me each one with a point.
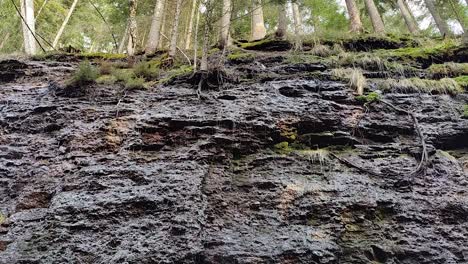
(280, 166)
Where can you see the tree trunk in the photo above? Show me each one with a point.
(258, 24)
(461, 19)
(440, 23)
(225, 24)
(163, 26)
(206, 36)
(375, 17)
(154, 35)
(282, 21)
(406, 13)
(188, 37)
(132, 29)
(124, 39)
(29, 28)
(175, 30)
(64, 24)
(354, 17)
(195, 46)
(297, 26)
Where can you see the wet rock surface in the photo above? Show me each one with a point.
(159, 176)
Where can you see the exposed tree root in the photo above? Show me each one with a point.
(424, 155)
(350, 164)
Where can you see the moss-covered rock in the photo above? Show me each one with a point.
(267, 45)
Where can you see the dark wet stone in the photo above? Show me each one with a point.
(164, 177)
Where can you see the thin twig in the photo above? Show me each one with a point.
(185, 55)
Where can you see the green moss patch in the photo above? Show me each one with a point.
(267, 45)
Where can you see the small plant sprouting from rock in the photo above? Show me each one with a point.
(2, 218)
(465, 112)
(321, 156)
(370, 98)
(85, 75)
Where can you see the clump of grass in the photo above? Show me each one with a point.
(362, 60)
(449, 69)
(105, 68)
(462, 81)
(146, 70)
(321, 51)
(321, 156)
(122, 75)
(417, 85)
(135, 84)
(353, 76)
(370, 98)
(85, 75)
(2, 218)
(106, 79)
(465, 111)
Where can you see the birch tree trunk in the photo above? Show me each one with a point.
(375, 17)
(354, 17)
(123, 40)
(258, 25)
(132, 29)
(188, 37)
(155, 31)
(282, 21)
(225, 24)
(195, 46)
(440, 23)
(29, 28)
(64, 24)
(175, 30)
(406, 13)
(298, 31)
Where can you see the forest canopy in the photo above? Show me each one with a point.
(135, 26)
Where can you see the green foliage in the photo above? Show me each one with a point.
(462, 81)
(177, 72)
(135, 84)
(106, 79)
(86, 74)
(370, 98)
(123, 75)
(417, 85)
(465, 111)
(146, 70)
